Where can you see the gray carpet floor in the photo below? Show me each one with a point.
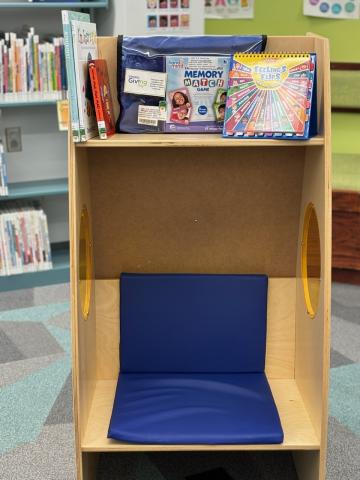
(37, 443)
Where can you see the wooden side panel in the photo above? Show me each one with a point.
(107, 328)
(313, 334)
(90, 462)
(307, 464)
(83, 331)
(280, 338)
(280, 344)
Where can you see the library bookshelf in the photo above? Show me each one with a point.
(201, 203)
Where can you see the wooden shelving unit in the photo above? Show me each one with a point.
(204, 204)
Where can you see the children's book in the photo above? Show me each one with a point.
(67, 18)
(85, 49)
(100, 85)
(271, 96)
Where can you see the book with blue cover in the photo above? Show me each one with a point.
(67, 18)
(271, 95)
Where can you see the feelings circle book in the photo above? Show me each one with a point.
(271, 95)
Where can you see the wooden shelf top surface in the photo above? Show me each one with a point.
(298, 430)
(192, 140)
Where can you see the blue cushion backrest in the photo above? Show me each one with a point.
(192, 323)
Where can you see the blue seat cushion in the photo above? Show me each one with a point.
(195, 408)
(192, 323)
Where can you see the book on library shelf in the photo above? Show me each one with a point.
(30, 69)
(24, 239)
(67, 18)
(85, 49)
(101, 94)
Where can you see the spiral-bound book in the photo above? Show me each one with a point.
(271, 95)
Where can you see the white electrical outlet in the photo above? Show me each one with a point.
(13, 139)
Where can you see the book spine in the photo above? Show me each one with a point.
(97, 101)
(6, 69)
(57, 65)
(63, 68)
(24, 68)
(70, 69)
(79, 92)
(36, 63)
(30, 45)
(18, 76)
(2, 43)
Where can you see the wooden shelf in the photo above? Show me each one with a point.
(298, 430)
(60, 272)
(192, 140)
(71, 5)
(39, 188)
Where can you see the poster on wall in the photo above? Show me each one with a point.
(229, 8)
(163, 17)
(342, 9)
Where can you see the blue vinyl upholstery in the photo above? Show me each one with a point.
(192, 361)
(193, 323)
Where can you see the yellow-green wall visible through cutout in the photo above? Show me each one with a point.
(85, 263)
(311, 260)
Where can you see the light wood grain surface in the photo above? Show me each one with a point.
(214, 209)
(298, 430)
(143, 140)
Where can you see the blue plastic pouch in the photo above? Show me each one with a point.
(176, 84)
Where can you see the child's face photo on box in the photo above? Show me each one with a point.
(174, 21)
(152, 23)
(163, 21)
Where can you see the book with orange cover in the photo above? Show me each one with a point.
(102, 98)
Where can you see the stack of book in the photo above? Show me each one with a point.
(24, 239)
(80, 47)
(4, 191)
(31, 70)
(89, 87)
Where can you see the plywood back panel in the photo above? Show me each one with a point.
(280, 343)
(199, 210)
